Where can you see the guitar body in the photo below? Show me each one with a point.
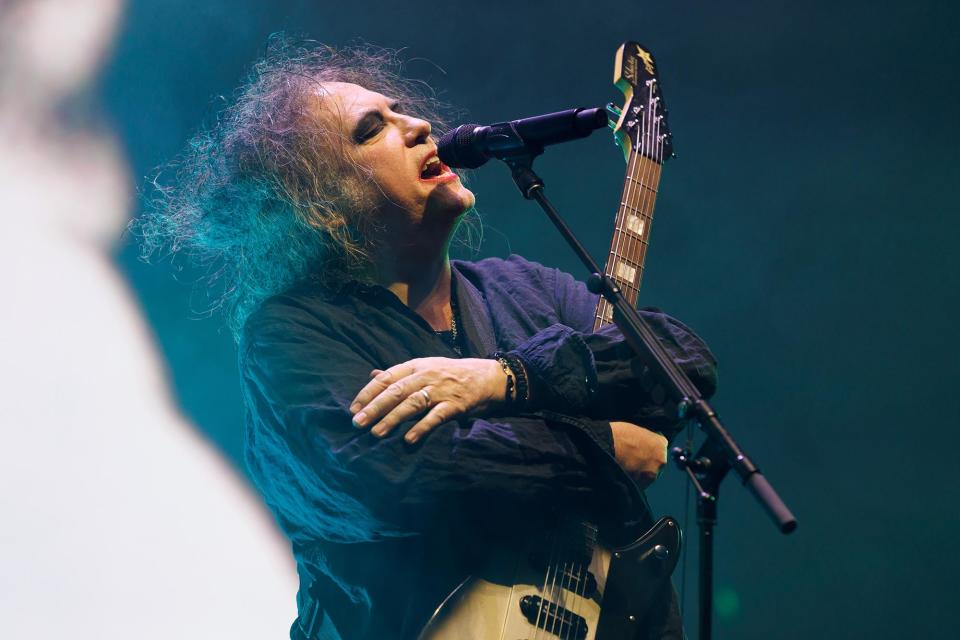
(606, 598)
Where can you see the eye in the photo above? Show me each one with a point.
(369, 126)
(367, 132)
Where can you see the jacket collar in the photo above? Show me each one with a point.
(474, 314)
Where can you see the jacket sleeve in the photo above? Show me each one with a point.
(574, 370)
(308, 458)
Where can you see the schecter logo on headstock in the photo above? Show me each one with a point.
(630, 70)
(647, 60)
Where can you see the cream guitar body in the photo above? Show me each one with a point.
(603, 596)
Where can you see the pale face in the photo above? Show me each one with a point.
(415, 190)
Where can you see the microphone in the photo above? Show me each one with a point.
(471, 145)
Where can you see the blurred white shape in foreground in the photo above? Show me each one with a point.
(118, 521)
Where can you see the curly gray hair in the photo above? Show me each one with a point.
(263, 197)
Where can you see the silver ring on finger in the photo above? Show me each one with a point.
(426, 396)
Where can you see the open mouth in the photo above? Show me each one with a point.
(432, 168)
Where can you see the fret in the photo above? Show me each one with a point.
(621, 279)
(629, 290)
(642, 184)
(637, 200)
(637, 210)
(628, 247)
(626, 232)
(633, 258)
(633, 263)
(627, 286)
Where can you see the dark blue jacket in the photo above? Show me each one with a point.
(383, 529)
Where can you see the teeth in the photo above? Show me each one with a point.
(430, 165)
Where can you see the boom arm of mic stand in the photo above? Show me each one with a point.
(640, 336)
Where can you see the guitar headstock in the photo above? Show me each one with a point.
(642, 121)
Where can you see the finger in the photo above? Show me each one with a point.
(434, 418)
(388, 399)
(414, 404)
(380, 382)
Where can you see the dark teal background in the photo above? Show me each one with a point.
(806, 230)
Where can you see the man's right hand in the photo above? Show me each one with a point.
(642, 453)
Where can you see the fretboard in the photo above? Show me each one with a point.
(631, 234)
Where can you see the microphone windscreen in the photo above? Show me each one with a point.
(456, 148)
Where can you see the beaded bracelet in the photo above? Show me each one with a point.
(508, 397)
(515, 365)
(523, 384)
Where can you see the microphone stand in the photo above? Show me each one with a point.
(720, 453)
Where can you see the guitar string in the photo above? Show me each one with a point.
(648, 208)
(617, 237)
(619, 240)
(565, 585)
(651, 145)
(622, 237)
(548, 590)
(643, 205)
(584, 571)
(641, 197)
(632, 197)
(618, 228)
(555, 592)
(652, 177)
(634, 194)
(560, 595)
(644, 178)
(543, 589)
(646, 198)
(583, 544)
(640, 203)
(618, 232)
(632, 200)
(637, 192)
(657, 168)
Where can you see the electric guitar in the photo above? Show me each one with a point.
(572, 587)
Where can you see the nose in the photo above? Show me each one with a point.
(417, 131)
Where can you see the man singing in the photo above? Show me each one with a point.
(408, 415)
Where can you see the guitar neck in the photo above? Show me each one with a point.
(631, 234)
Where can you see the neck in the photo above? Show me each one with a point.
(423, 284)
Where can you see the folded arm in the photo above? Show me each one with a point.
(300, 385)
